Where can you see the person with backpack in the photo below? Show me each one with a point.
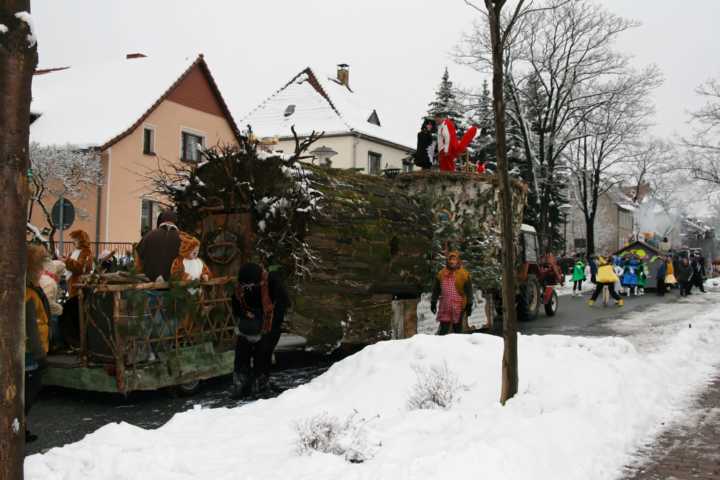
(578, 276)
(259, 304)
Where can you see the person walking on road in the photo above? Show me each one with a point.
(630, 275)
(592, 262)
(685, 276)
(453, 287)
(698, 266)
(578, 276)
(606, 277)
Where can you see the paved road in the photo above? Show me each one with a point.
(575, 317)
(62, 416)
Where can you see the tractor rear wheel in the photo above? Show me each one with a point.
(529, 300)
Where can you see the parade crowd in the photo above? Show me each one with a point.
(628, 275)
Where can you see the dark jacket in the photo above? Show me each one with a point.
(157, 251)
(698, 265)
(684, 272)
(251, 274)
(424, 143)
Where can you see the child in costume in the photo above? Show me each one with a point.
(578, 276)
(188, 266)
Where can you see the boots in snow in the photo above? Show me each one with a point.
(242, 386)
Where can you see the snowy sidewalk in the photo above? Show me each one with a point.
(689, 449)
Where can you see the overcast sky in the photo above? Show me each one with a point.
(397, 49)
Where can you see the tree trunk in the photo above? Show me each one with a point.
(17, 63)
(590, 234)
(510, 355)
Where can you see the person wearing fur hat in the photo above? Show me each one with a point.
(159, 248)
(259, 306)
(49, 282)
(188, 266)
(453, 287)
(80, 261)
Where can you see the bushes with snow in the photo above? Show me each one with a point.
(436, 387)
(328, 434)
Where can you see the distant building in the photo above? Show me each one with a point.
(614, 223)
(355, 135)
(138, 113)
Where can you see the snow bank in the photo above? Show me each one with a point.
(3, 28)
(584, 405)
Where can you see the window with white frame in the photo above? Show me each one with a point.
(191, 142)
(374, 163)
(148, 140)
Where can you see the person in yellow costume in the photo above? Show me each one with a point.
(606, 278)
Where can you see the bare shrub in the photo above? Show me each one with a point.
(328, 434)
(436, 387)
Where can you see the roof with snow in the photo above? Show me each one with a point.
(315, 102)
(97, 105)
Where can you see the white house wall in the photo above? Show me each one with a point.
(353, 152)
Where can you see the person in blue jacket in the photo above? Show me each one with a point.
(631, 271)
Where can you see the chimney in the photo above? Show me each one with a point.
(130, 56)
(343, 74)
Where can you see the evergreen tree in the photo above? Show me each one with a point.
(481, 115)
(446, 104)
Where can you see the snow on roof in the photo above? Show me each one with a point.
(90, 105)
(627, 206)
(314, 101)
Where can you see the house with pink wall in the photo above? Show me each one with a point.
(139, 114)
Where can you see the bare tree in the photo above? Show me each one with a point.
(704, 147)
(18, 58)
(500, 29)
(606, 139)
(652, 166)
(61, 171)
(555, 64)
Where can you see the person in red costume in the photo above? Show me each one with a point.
(449, 148)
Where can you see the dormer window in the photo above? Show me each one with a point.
(374, 118)
(289, 110)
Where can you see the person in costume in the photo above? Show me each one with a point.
(259, 306)
(426, 145)
(578, 276)
(449, 148)
(453, 287)
(188, 266)
(606, 277)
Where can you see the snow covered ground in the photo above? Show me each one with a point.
(584, 406)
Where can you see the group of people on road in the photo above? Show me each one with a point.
(684, 271)
(628, 275)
